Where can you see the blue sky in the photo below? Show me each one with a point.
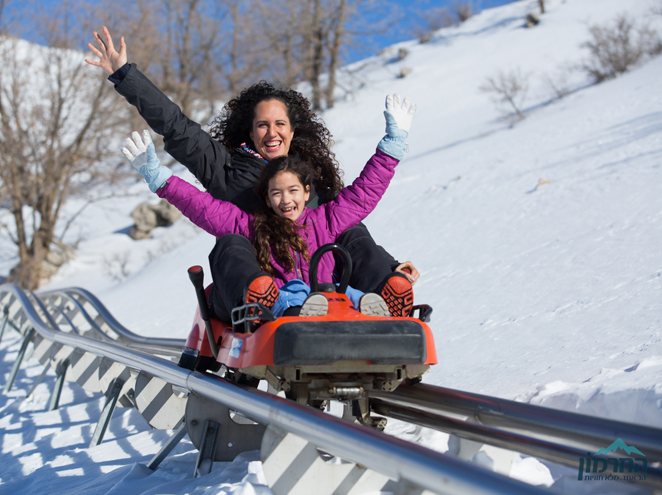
(25, 10)
(409, 17)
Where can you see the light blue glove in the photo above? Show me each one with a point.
(399, 114)
(293, 293)
(141, 154)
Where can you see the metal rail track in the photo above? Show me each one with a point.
(78, 301)
(76, 319)
(555, 435)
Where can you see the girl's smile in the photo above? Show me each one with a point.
(286, 195)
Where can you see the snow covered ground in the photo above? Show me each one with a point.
(538, 245)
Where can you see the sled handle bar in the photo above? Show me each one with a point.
(346, 266)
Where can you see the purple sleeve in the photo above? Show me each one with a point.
(357, 200)
(215, 216)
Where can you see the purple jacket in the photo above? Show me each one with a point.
(322, 225)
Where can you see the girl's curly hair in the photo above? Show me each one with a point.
(275, 234)
(312, 140)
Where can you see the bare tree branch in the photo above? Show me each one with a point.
(50, 109)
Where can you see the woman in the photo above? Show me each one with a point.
(263, 121)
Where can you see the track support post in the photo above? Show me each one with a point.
(60, 371)
(205, 459)
(180, 431)
(5, 320)
(499, 460)
(19, 359)
(112, 396)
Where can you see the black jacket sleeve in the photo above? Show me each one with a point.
(184, 139)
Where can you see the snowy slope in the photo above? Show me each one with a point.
(538, 245)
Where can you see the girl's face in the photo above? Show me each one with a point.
(271, 131)
(286, 195)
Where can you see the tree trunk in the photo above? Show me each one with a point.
(334, 52)
(292, 70)
(55, 132)
(542, 6)
(28, 273)
(316, 37)
(234, 54)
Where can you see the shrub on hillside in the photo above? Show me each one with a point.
(402, 54)
(558, 81)
(404, 72)
(463, 10)
(434, 19)
(531, 20)
(508, 90)
(615, 48)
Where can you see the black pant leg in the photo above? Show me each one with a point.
(371, 263)
(233, 262)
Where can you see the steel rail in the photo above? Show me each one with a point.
(551, 450)
(79, 296)
(390, 456)
(99, 331)
(587, 433)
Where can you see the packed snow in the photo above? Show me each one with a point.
(537, 239)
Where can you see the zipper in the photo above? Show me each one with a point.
(298, 269)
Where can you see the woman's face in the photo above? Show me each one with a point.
(271, 132)
(286, 195)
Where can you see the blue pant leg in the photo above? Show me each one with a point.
(293, 293)
(354, 295)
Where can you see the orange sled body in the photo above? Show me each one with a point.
(341, 355)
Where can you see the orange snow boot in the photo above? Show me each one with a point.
(398, 294)
(262, 290)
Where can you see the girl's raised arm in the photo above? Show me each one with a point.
(212, 215)
(357, 200)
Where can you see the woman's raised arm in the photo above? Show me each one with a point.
(184, 139)
(109, 58)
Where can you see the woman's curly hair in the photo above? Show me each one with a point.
(311, 142)
(272, 233)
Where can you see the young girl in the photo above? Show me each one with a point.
(287, 233)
